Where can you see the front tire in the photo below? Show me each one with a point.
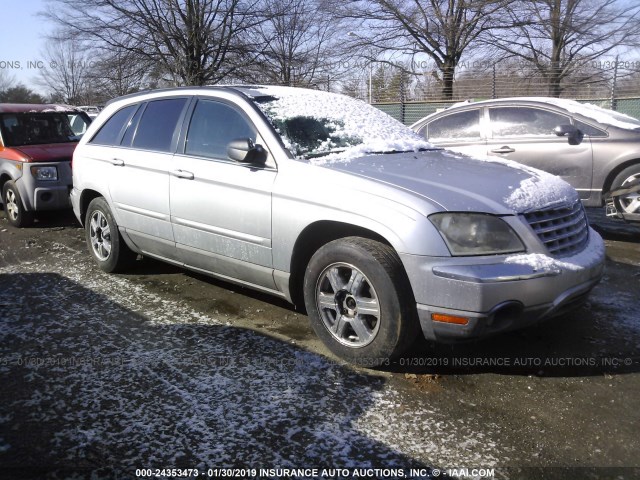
(104, 240)
(359, 301)
(14, 209)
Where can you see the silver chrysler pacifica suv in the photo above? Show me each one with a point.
(324, 200)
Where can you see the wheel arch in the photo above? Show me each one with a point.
(86, 197)
(616, 171)
(4, 178)
(314, 236)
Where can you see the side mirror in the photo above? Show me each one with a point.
(243, 150)
(575, 135)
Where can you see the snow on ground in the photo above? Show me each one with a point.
(127, 379)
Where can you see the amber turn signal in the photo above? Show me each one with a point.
(441, 317)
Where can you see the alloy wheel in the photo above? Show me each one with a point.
(11, 203)
(630, 203)
(348, 305)
(100, 235)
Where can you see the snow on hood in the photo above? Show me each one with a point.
(538, 190)
(462, 183)
(535, 192)
(355, 127)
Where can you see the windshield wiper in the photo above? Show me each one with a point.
(323, 154)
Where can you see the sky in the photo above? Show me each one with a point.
(22, 40)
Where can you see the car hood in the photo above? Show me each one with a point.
(460, 183)
(54, 152)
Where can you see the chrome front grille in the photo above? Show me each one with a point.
(564, 231)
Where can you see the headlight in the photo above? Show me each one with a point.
(44, 173)
(476, 234)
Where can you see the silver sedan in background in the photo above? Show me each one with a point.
(594, 149)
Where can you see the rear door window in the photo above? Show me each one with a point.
(157, 128)
(132, 126)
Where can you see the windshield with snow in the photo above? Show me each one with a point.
(316, 124)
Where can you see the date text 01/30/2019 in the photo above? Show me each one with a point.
(270, 472)
(329, 473)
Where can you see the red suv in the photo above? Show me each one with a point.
(36, 145)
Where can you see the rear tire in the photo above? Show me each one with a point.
(359, 301)
(104, 240)
(14, 209)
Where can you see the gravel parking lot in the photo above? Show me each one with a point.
(104, 375)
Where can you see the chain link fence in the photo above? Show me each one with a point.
(410, 112)
(409, 96)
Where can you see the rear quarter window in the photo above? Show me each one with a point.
(111, 132)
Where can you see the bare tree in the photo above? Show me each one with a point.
(66, 70)
(558, 37)
(6, 80)
(441, 29)
(118, 72)
(197, 42)
(299, 42)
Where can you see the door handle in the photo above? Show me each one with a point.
(504, 149)
(117, 162)
(183, 174)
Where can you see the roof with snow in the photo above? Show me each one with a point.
(35, 108)
(587, 110)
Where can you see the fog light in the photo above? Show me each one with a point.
(441, 317)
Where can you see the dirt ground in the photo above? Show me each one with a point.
(103, 375)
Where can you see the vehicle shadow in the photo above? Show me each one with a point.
(611, 228)
(586, 342)
(51, 219)
(146, 267)
(57, 218)
(91, 387)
